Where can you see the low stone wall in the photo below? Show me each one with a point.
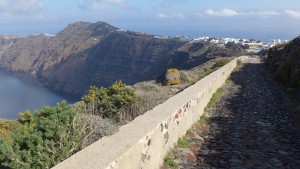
(143, 143)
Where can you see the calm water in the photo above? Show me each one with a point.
(19, 92)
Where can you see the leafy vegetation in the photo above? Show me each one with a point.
(215, 97)
(203, 119)
(182, 142)
(107, 102)
(220, 63)
(45, 138)
(170, 162)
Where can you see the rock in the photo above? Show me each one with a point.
(283, 153)
(191, 157)
(204, 152)
(172, 77)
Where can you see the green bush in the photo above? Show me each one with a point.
(45, 138)
(182, 142)
(109, 101)
(170, 162)
(221, 62)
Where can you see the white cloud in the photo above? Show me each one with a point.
(293, 13)
(20, 6)
(102, 4)
(231, 13)
(223, 12)
(171, 16)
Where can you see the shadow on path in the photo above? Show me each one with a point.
(250, 127)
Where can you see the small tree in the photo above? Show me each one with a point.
(45, 138)
(109, 101)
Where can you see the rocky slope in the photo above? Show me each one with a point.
(284, 61)
(5, 42)
(85, 54)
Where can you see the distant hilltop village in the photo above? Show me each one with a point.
(250, 42)
(253, 45)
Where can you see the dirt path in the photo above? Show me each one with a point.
(249, 127)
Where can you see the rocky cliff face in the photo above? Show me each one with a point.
(85, 54)
(284, 61)
(5, 42)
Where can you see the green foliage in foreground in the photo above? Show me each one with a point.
(45, 138)
(109, 101)
(182, 142)
(215, 98)
(171, 163)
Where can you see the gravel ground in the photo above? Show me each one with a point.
(249, 127)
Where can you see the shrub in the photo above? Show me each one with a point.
(221, 62)
(182, 143)
(45, 138)
(172, 77)
(170, 162)
(109, 101)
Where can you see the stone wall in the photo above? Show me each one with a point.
(143, 143)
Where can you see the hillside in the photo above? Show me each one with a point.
(5, 42)
(85, 54)
(284, 62)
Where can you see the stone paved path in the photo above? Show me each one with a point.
(250, 127)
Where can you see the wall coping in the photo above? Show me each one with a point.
(144, 142)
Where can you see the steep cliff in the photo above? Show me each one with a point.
(85, 54)
(5, 42)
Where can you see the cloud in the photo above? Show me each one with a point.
(231, 13)
(24, 7)
(171, 16)
(223, 12)
(293, 13)
(172, 2)
(267, 13)
(102, 4)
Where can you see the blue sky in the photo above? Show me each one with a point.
(257, 19)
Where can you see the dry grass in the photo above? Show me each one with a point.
(7, 127)
(98, 128)
(152, 94)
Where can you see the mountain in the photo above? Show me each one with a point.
(85, 54)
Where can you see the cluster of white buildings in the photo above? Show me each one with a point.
(253, 45)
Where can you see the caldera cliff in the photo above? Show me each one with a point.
(85, 54)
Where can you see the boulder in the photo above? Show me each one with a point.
(172, 77)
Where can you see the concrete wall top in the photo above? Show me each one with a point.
(131, 147)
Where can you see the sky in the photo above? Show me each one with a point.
(261, 20)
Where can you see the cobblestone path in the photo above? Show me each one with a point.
(249, 127)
